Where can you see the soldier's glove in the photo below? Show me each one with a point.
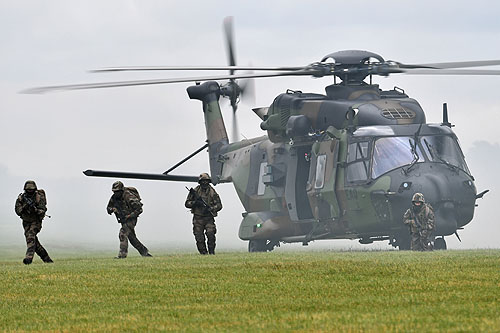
(40, 212)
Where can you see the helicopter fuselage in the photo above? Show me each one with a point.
(341, 166)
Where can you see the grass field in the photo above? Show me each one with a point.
(279, 291)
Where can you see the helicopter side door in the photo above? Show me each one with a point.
(296, 183)
(321, 184)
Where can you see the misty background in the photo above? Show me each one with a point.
(52, 138)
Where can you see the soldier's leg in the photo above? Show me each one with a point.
(132, 237)
(199, 236)
(39, 249)
(123, 236)
(415, 243)
(42, 253)
(210, 231)
(30, 235)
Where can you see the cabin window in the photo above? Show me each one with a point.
(261, 188)
(393, 152)
(319, 182)
(358, 161)
(444, 149)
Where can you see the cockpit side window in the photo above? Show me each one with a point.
(357, 161)
(444, 149)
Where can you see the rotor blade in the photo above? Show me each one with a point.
(452, 71)
(135, 175)
(41, 90)
(248, 91)
(236, 133)
(459, 64)
(193, 68)
(228, 32)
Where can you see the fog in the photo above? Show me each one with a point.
(52, 138)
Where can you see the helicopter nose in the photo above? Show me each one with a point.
(445, 218)
(451, 194)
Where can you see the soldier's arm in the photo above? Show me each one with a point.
(190, 201)
(111, 207)
(41, 207)
(217, 203)
(407, 218)
(19, 205)
(430, 219)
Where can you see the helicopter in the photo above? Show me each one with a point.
(339, 165)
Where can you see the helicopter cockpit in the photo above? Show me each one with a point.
(371, 153)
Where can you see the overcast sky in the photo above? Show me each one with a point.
(52, 138)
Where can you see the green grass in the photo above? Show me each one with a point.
(291, 291)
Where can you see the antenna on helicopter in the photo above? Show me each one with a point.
(445, 116)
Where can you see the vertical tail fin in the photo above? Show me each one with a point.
(209, 93)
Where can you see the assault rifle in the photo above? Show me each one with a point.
(199, 199)
(31, 206)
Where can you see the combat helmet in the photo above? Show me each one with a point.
(117, 186)
(30, 185)
(418, 197)
(204, 176)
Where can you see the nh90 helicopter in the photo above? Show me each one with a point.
(339, 165)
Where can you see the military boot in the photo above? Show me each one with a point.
(47, 260)
(27, 260)
(202, 248)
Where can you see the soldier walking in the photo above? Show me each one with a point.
(126, 204)
(204, 203)
(31, 207)
(420, 219)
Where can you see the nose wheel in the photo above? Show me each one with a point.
(440, 244)
(261, 245)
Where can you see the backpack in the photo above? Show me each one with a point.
(132, 191)
(40, 196)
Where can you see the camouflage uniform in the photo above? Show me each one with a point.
(203, 217)
(126, 205)
(31, 207)
(420, 220)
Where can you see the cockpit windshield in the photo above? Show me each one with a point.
(392, 152)
(444, 149)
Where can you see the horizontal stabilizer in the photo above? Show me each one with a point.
(135, 175)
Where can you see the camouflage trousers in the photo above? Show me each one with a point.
(126, 234)
(421, 242)
(31, 229)
(204, 225)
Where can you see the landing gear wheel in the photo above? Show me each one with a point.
(440, 244)
(402, 242)
(257, 245)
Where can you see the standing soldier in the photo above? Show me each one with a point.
(420, 219)
(31, 207)
(126, 204)
(204, 203)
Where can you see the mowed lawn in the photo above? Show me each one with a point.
(236, 291)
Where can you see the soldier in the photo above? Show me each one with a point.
(204, 203)
(420, 219)
(126, 204)
(31, 207)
